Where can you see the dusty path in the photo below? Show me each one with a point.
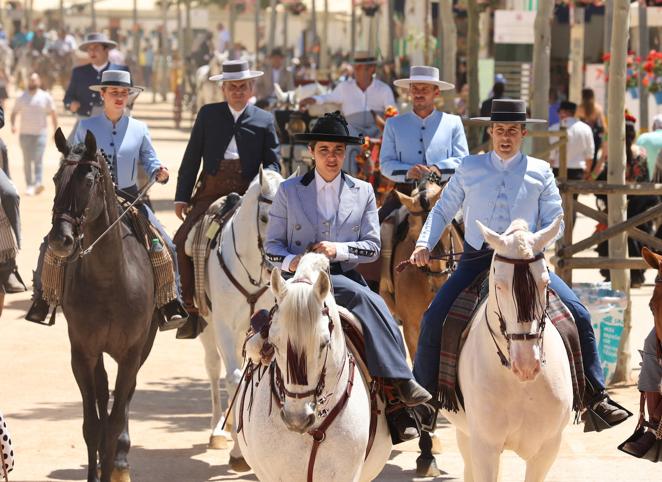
(170, 413)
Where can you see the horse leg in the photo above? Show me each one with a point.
(538, 466)
(485, 459)
(84, 368)
(219, 437)
(464, 444)
(103, 395)
(237, 461)
(426, 465)
(117, 421)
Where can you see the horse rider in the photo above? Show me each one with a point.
(274, 73)
(363, 101)
(78, 98)
(329, 212)
(495, 188)
(9, 202)
(126, 142)
(232, 139)
(441, 143)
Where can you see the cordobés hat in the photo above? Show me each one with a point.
(424, 74)
(509, 111)
(116, 78)
(96, 38)
(330, 128)
(236, 70)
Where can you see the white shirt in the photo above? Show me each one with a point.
(34, 110)
(232, 151)
(580, 143)
(101, 67)
(275, 75)
(353, 100)
(328, 201)
(505, 162)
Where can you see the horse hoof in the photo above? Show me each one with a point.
(427, 467)
(436, 445)
(238, 464)
(120, 475)
(218, 442)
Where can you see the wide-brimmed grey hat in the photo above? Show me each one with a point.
(116, 78)
(509, 111)
(96, 38)
(424, 74)
(236, 70)
(363, 57)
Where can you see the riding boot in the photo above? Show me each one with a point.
(410, 392)
(14, 283)
(601, 412)
(173, 315)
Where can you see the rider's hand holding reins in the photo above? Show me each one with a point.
(181, 210)
(162, 175)
(326, 248)
(420, 257)
(418, 171)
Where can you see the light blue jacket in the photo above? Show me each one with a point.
(126, 144)
(294, 223)
(408, 140)
(528, 184)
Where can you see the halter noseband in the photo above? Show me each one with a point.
(510, 337)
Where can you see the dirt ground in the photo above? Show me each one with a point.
(171, 408)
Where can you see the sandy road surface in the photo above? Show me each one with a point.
(170, 413)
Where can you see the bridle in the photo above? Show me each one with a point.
(251, 298)
(537, 335)
(63, 213)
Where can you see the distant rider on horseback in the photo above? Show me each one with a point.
(495, 189)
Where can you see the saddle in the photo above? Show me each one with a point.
(201, 240)
(456, 328)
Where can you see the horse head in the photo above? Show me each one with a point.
(518, 293)
(82, 186)
(308, 342)
(654, 260)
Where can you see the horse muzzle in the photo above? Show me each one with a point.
(526, 372)
(61, 240)
(299, 422)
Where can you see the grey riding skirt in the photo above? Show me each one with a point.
(650, 377)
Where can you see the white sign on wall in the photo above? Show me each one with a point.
(514, 27)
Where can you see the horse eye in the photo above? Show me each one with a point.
(264, 219)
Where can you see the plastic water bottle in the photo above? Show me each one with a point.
(157, 247)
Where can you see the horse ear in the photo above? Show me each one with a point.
(547, 235)
(322, 286)
(277, 284)
(90, 143)
(406, 201)
(652, 259)
(295, 173)
(61, 142)
(261, 177)
(493, 239)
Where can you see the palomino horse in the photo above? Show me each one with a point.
(119, 269)
(237, 283)
(533, 397)
(413, 289)
(308, 418)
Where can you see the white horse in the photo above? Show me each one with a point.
(533, 399)
(206, 90)
(292, 98)
(319, 393)
(240, 247)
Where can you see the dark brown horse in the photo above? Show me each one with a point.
(108, 301)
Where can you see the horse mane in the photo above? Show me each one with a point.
(525, 294)
(299, 313)
(108, 188)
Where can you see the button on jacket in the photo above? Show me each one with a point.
(438, 140)
(526, 182)
(127, 143)
(82, 78)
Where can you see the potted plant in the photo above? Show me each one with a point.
(633, 71)
(653, 77)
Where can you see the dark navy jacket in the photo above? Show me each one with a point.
(82, 78)
(214, 127)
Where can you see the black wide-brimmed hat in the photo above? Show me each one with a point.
(509, 111)
(330, 128)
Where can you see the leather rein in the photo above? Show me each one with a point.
(251, 298)
(510, 337)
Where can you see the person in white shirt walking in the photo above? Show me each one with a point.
(362, 100)
(34, 106)
(580, 147)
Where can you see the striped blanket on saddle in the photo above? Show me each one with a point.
(165, 288)
(456, 329)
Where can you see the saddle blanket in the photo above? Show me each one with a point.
(456, 329)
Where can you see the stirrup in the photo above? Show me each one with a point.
(38, 320)
(595, 423)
